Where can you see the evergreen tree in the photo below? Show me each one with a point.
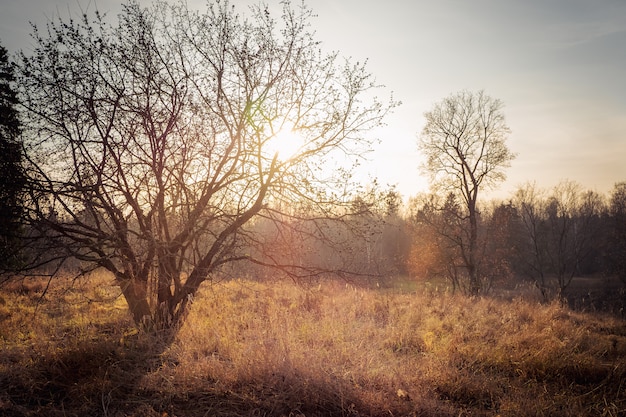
(12, 179)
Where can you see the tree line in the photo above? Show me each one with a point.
(545, 236)
(548, 236)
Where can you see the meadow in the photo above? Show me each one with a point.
(275, 348)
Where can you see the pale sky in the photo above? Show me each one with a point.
(559, 66)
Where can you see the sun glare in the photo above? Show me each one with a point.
(286, 143)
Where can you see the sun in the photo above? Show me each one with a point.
(286, 143)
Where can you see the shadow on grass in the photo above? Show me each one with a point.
(89, 377)
(107, 376)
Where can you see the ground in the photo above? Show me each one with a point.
(322, 349)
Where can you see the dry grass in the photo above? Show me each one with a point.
(254, 349)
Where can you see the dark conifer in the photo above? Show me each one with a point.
(11, 175)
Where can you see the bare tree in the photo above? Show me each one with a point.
(572, 226)
(529, 201)
(150, 142)
(562, 228)
(464, 144)
(616, 248)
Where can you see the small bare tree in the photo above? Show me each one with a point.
(562, 226)
(616, 251)
(464, 141)
(529, 201)
(572, 218)
(150, 143)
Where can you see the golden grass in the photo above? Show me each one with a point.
(275, 349)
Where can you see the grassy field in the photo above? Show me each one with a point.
(278, 349)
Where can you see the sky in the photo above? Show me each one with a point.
(559, 67)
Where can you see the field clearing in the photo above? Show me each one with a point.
(280, 349)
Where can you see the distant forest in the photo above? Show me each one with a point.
(566, 242)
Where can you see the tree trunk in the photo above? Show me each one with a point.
(472, 269)
(135, 293)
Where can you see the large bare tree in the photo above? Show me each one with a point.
(464, 142)
(150, 141)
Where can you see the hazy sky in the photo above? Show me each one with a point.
(559, 66)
